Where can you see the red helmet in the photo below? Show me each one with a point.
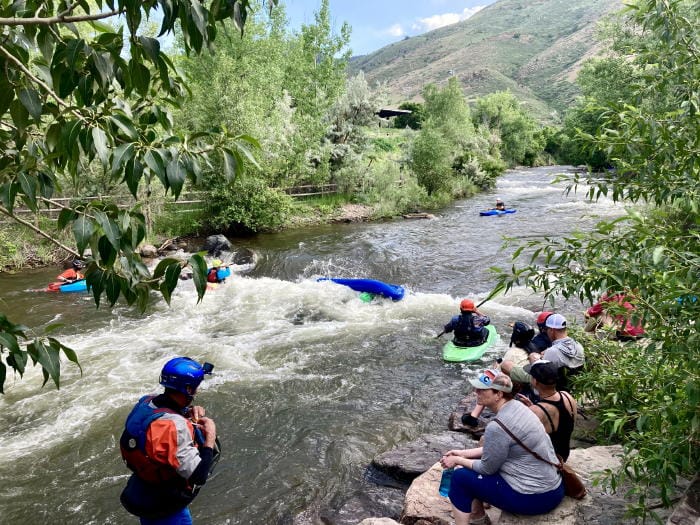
(467, 305)
(542, 318)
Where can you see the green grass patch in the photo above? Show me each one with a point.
(20, 247)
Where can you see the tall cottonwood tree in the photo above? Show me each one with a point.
(502, 113)
(74, 90)
(282, 86)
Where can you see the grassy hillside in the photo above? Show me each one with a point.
(531, 47)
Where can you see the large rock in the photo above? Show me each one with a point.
(423, 504)
(148, 251)
(687, 512)
(215, 245)
(244, 256)
(407, 462)
(598, 507)
(373, 501)
(378, 521)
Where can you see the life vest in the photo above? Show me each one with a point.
(465, 329)
(212, 277)
(133, 445)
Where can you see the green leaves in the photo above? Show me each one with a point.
(99, 138)
(175, 173)
(169, 269)
(83, 230)
(45, 353)
(657, 254)
(199, 274)
(31, 100)
(68, 97)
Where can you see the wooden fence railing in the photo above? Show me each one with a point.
(188, 201)
(311, 189)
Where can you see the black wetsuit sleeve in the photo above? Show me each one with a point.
(201, 473)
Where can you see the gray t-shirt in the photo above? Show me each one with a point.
(521, 470)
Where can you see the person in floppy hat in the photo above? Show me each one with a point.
(555, 409)
(498, 473)
(468, 326)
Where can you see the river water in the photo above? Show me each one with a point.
(310, 382)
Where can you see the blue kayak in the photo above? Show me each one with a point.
(497, 212)
(370, 286)
(77, 286)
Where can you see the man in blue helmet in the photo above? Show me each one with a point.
(170, 446)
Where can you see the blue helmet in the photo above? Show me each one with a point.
(184, 374)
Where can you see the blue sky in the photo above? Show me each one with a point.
(376, 23)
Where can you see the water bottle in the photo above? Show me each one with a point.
(445, 481)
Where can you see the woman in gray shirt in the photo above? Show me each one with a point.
(502, 472)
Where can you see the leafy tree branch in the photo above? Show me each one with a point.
(73, 99)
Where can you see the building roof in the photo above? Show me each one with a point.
(390, 112)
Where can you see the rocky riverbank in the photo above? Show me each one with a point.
(407, 480)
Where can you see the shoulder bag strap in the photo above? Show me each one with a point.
(558, 466)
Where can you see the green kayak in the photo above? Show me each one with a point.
(450, 352)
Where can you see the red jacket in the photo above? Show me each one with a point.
(626, 326)
(70, 275)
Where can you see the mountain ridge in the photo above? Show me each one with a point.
(532, 48)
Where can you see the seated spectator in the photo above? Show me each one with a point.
(556, 410)
(502, 473)
(541, 341)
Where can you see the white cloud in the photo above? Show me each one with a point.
(435, 21)
(396, 30)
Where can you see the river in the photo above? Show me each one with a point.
(310, 382)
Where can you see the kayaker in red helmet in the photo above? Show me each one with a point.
(468, 326)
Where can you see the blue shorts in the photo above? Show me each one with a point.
(182, 517)
(468, 485)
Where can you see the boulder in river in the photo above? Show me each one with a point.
(244, 256)
(148, 251)
(409, 461)
(215, 245)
